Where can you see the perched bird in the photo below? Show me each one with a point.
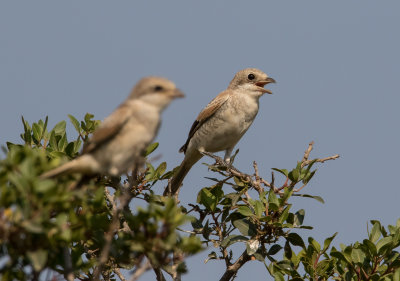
(118, 144)
(222, 123)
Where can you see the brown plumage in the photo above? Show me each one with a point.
(222, 123)
(119, 142)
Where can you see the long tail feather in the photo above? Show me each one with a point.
(77, 165)
(184, 169)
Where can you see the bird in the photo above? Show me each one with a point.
(223, 122)
(120, 141)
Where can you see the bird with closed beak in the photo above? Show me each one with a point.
(223, 122)
(119, 143)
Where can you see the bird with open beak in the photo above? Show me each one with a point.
(223, 122)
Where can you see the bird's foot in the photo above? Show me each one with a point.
(226, 163)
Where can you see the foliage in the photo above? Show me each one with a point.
(54, 224)
(85, 228)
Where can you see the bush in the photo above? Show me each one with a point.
(83, 228)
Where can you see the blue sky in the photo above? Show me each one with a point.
(337, 65)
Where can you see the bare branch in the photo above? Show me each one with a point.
(119, 274)
(336, 156)
(68, 272)
(142, 268)
(159, 274)
(114, 227)
(307, 152)
(232, 270)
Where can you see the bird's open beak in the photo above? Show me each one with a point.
(177, 94)
(261, 84)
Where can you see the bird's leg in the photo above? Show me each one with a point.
(218, 160)
(227, 157)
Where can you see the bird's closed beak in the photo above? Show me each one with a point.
(178, 93)
(265, 82)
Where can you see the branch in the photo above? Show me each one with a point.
(307, 152)
(336, 156)
(232, 270)
(140, 270)
(159, 274)
(114, 227)
(68, 272)
(305, 161)
(119, 274)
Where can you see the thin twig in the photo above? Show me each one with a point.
(114, 227)
(336, 156)
(68, 273)
(232, 270)
(159, 274)
(307, 152)
(119, 274)
(142, 268)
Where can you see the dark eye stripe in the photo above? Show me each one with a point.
(158, 88)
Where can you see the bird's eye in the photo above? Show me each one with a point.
(251, 76)
(158, 88)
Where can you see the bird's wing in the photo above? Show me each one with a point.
(205, 114)
(109, 128)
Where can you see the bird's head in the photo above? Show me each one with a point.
(251, 79)
(157, 91)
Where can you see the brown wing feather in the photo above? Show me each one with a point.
(111, 126)
(206, 113)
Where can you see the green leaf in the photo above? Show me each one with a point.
(234, 197)
(59, 128)
(53, 141)
(150, 173)
(75, 123)
(284, 215)
(245, 211)
(273, 201)
(299, 217)
(282, 171)
(278, 276)
(259, 208)
(274, 249)
(328, 242)
(294, 175)
(288, 250)
(206, 198)
(383, 244)
(232, 239)
(238, 181)
(396, 275)
(151, 148)
(38, 259)
(44, 127)
(62, 143)
(314, 244)
(37, 132)
(318, 198)
(295, 240)
(308, 177)
(161, 169)
(338, 255)
(211, 256)
(375, 233)
(245, 227)
(358, 256)
(370, 246)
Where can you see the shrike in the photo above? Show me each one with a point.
(118, 144)
(222, 123)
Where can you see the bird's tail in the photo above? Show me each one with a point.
(77, 165)
(184, 168)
